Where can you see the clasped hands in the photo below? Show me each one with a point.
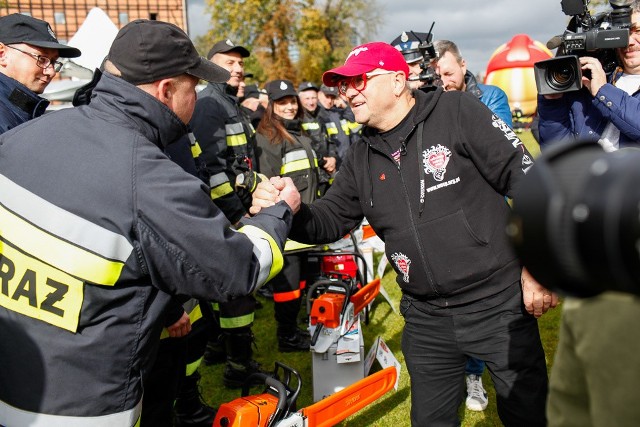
(270, 192)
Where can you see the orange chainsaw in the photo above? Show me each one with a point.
(335, 310)
(275, 406)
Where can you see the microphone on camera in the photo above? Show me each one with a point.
(554, 42)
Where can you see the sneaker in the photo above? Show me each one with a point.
(477, 399)
(298, 341)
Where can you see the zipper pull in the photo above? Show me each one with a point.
(403, 148)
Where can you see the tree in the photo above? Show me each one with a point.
(322, 33)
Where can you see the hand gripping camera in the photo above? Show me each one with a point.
(586, 35)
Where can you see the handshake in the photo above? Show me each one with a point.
(270, 192)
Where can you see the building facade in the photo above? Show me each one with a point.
(65, 16)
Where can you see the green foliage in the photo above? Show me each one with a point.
(294, 39)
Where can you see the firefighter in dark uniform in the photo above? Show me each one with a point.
(284, 149)
(314, 123)
(227, 140)
(93, 254)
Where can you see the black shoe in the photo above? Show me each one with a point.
(236, 374)
(190, 409)
(297, 341)
(203, 417)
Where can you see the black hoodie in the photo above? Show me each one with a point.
(442, 213)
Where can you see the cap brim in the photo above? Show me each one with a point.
(241, 50)
(207, 70)
(64, 51)
(332, 77)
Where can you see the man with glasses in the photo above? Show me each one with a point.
(29, 53)
(430, 178)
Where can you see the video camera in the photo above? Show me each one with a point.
(586, 35)
(427, 71)
(576, 219)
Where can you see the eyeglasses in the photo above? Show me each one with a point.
(41, 61)
(359, 82)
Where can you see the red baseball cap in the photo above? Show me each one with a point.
(365, 58)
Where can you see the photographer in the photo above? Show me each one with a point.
(606, 109)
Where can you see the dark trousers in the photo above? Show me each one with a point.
(436, 346)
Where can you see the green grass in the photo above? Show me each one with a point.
(393, 408)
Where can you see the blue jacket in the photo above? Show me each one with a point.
(578, 115)
(491, 96)
(18, 104)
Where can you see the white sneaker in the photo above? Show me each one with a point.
(476, 395)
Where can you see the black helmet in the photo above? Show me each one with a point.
(407, 43)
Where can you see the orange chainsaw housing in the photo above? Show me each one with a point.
(246, 411)
(326, 309)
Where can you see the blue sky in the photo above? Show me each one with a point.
(477, 27)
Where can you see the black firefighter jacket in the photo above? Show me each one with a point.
(441, 212)
(98, 231)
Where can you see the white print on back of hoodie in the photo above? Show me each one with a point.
(511, 136)
(402, 263)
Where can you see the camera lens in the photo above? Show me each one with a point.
(576, 219)
(562, 77)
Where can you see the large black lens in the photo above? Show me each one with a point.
(561, 77)
(576, 219)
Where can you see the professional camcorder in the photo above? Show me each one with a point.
(428, 53)
(586, 35)
(576, 219)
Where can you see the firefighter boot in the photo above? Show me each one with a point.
(239, 361)
(291, 338)
(215, 353)
(189, 409)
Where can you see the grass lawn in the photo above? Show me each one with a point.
(393, 408)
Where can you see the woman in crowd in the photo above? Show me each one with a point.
(283, 149)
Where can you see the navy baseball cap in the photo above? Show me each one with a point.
(18, 28)
(277, 89)
(145, 51)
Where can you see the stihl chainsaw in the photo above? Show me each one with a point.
(275, 406)
(335, 310)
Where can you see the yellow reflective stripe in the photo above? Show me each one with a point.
(267, 252)
(295, 166)
(195, 314)
(345, 126)
(292, 245)
(235, 135)
(354, 127)
(220, 185)
(37, 290)
(195, 147)
(196, 150)
(221, 191)
(236, 322)
(12, 416)
(59, 238)
(62, 255)
(311, 126)
(236, 140)
(193, 367)
(332, 129)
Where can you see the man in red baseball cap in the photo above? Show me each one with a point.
(430, 176)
